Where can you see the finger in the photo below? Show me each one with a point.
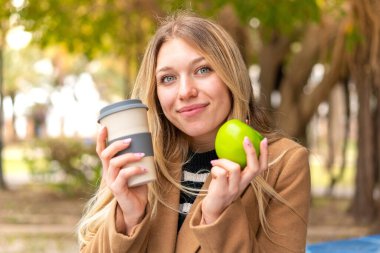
(109, 152)
(101, 140)
(219, 178)
(100, 146)
(115, 147)
(233, 169)
(120, 185)
(253, 166)
(263, 154)
(117, 163)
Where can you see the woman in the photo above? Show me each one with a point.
(193, 79)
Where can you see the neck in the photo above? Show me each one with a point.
(201, 144)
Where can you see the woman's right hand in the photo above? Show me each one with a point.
(131, 201)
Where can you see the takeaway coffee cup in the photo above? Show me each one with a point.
(128, 119)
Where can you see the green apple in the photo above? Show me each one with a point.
(229, 141)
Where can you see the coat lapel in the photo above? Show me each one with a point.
(187, 242)
(163, 230)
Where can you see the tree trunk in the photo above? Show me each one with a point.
(377, 135)
(2, 182)
(366, 70)
(297, 107)
(338, 127)
(271, 60)
(346, 129)
(14, 136)
(363, 206)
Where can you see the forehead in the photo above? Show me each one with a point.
(177, 48)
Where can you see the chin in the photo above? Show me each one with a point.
(198, 129)
(199, 132)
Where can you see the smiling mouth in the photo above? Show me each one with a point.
(192, 108)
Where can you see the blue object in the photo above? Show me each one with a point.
(368, 244)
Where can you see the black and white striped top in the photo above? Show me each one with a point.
(194, 174)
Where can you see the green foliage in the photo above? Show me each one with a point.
(84, 26)
(5, 11)
(122, 28)
(115, 26)
(70, 163)
(353, 37)
(77, 24)
(95, 29)
(16, 62)
(280, 16)
(206, 8)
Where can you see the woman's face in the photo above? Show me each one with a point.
(191, 94)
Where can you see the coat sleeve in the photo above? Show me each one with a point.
(229, 233)
(287, 225)
(107, 239)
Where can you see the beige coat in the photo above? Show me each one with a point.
(238, 229)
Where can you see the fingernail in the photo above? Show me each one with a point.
(139, 154)
(127, 141)
(265, 141)
(212, 162)
(247, 141)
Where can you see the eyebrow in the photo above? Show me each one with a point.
(194, 61)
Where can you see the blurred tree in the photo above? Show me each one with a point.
(94, 28)
(17, 62)
(365, 70)
(73, 162)
(289, 51)
(283, 37)
(5, 14)
(347, 41)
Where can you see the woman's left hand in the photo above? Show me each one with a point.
(229, 180)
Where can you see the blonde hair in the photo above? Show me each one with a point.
(221, 52)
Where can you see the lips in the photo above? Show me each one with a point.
(193, 107)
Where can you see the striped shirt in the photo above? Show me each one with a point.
(194, 174)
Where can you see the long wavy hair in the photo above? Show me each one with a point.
(222, 53)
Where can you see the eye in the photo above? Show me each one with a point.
(203, 70)
(167, 79)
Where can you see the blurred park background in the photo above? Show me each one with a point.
(315, 64)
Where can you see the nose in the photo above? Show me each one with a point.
(187, 88)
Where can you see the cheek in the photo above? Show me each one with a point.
(228, 104)
(225, 99)
(164, 99)
(223, 93)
